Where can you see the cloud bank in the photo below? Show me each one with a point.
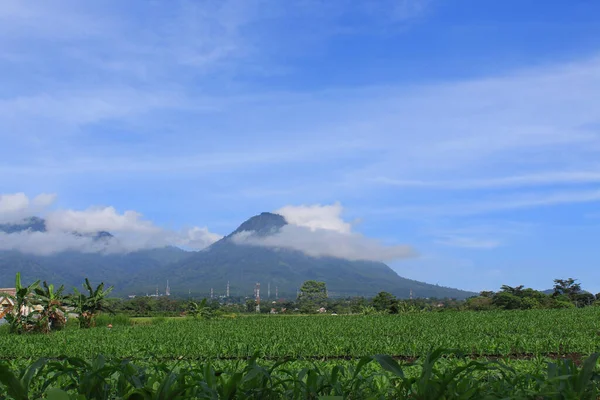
(76, 230)
(320, 231)
(316, 230)
(16, 206)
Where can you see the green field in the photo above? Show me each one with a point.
(480, 333)
(214, 353)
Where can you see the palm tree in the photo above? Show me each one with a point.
(22, 320)
(52, 315)
(88, 306)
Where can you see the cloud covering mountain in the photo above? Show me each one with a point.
(316, 230)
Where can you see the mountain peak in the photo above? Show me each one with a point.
(263, 224)
(32, 224)
(37, 224)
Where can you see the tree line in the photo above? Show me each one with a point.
(43, 308)
(566, 293)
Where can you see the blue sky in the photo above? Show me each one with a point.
(468, 131)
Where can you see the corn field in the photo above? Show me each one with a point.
(535, 354)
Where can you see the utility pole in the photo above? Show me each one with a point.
(257, 291)
(276, 293)
(269, 291)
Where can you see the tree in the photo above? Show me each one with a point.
(479, 303)
(516, 291)
(384, 301)
(583, 299)
(313, 291)
(52, 314)
(90, 305)
(21, 320)
(250, 305)
(567, 287)
(507, 300)
(313, 294)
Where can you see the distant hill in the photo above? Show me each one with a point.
(225, 261)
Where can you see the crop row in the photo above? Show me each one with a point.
(486, 333)
(378, 377)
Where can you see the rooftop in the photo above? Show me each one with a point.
(9, 291)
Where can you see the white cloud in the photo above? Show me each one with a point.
(316, 217)
(540, 179)
(46, 243)
(496, 204)
(97, 219)
(197, 238)
(131, 231)
(522, 201)
(14, 207)
(43, 200)
(319, 231)
(13, 203)
(327, 243)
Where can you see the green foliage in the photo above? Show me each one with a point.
(89, 305)
(200, 310)
(21, 320)
(313, 295)
(560, 331)
(439, 374)
(568, 287)
(567, 294)
(103, 320)
(52, 313)
(384, 301)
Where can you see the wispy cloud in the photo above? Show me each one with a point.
(542, 179)
(498, 203)
(469, 242)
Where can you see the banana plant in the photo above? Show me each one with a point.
(89, 305)
(22, 320)
(201, 310)
(52, 315)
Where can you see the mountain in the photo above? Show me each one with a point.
(33, 224)
(71, 267)
(245, 265)
(227, 260)
(36, 224)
